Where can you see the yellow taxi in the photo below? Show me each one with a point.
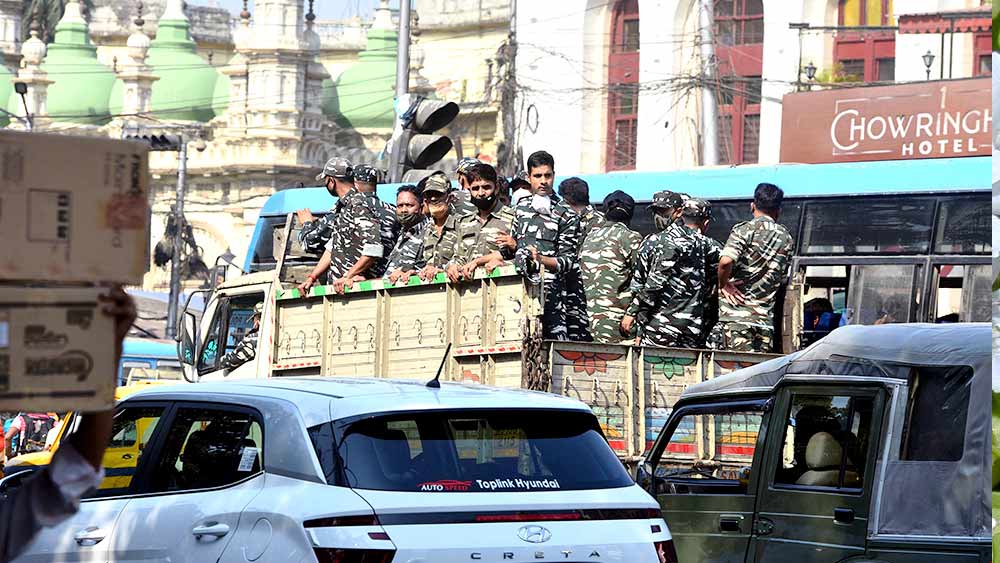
(122, 452)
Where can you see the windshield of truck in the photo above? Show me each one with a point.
(471, 451)
(263, 251)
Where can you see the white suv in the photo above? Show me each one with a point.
(359, 471)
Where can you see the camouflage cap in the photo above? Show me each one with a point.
(667, 199)
(697, 207)
(338, 167)
(367, 174)
(465, 164)
(436, 182)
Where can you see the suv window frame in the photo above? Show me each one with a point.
(763, 403)
(775, 444)
(144, 476)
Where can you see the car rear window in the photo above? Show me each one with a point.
(469, 451)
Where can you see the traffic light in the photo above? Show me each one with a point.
(159, 142)
(417, 146)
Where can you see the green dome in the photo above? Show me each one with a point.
(6, 89)
(189, 88)
(81, 85)
(363, 95)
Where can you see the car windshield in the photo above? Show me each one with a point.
(470, 451)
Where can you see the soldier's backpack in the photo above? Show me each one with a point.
(35, 431)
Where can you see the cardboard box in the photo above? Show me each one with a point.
(73, 209)
(56, 350)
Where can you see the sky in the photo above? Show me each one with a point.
(325, 9)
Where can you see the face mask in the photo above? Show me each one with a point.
(662, 221)
(407, 219)
(484, 203)
(541, 204)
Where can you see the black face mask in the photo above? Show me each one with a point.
(407, 220)
(484, 203)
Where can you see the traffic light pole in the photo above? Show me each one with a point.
(398, 152)
(175, 260)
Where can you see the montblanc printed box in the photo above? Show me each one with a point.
(56, 350)
(73, 209)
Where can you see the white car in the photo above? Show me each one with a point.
(358, 471)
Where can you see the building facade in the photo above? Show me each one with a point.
(618, 85)
(272, 94)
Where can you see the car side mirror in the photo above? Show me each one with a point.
(14, 481)
(187, 345)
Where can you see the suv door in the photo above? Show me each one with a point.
(819, 466)
(704, 476)
(87, 535)
(206, 471)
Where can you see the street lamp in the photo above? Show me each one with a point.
(811, 71)
(21, 88)
(928, 61)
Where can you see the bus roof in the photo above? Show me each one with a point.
(737, 182)
(149, 348)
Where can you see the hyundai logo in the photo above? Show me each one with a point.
(534, 534)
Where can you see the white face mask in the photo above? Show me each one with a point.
(542, 204)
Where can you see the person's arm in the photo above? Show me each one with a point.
(9, 439)
(357, 271)
(319, 270)
(735, 247)
(568, 241)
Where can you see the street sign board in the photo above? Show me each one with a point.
(935, 119)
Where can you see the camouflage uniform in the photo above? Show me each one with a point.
(355, 234)
(463, 203)
(315, 234)
(607, 260)
(408, 248)
(761, 249)
(557, 235)
(590, 219)
(388, 229)
(245, 351)
(477, 238)
(439, 249)
(670, 287)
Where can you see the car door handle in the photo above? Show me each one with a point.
(89, 536)
(127, 456)
(215, 529)
(843, 515)
(730, 523)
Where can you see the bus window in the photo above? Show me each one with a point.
(883, 294)
(961, 294)
(897, 226)
(824, 302)
(728, 213)
(963, 227)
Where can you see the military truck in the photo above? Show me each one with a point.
(482, 331)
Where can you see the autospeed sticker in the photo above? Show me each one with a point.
(518, 484)
(446, 486)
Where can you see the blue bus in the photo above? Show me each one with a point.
(149, 359)
(892, 241)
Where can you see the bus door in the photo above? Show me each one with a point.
(959, 292)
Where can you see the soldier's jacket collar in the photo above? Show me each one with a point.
(351, 194)
(763, 218)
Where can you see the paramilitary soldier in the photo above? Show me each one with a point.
(548, 235)
(355, 245)
(671, 277)
(315, 233)
(753, 265)
(484, 236)
(366, 179)
(607, 261)
(409, 212)
(440, 237)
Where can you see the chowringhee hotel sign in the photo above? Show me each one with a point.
(902, 121)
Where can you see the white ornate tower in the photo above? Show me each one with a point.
(136, 76)
(32, 55)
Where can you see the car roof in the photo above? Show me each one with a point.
(320, 399)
